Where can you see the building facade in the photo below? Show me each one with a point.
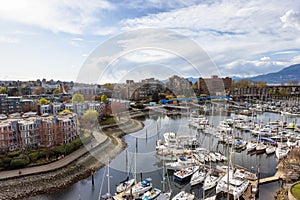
(37, 132)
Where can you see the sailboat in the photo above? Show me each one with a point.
(281, 153)
(140, 188)
(270, 149)
(210, 181)
(108, 195)
(183, 195)
(198, 177)
(125, 185)
(232, 185)
(165, 195)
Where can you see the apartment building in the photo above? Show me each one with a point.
(37, 132)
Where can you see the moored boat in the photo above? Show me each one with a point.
(151, 194)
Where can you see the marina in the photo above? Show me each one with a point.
(160, 134)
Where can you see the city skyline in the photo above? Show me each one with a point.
(53, 39)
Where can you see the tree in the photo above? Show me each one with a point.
(44, 101)
(155, 97)
(78, 98)
(103, 98)
(260, 84)
(293, 82)
(109, 86)
(90, 116)
(56, 91)
(3, 90)
(242, 83)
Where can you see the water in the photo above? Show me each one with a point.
(150, 165)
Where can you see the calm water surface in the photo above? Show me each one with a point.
(148, 163)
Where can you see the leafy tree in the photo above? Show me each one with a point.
(260, 84)
(103, 98)
(155, 97)
(78, 98)
(3, 90)
(243, 83)
(65, 112)
(293, 82)
(44, 101)
(109, 86)
(97, 98)
(90, 116)
(56, 91)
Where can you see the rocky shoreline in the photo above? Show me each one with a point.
(32, 185)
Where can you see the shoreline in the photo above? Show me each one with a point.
(27, 186)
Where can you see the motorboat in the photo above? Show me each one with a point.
(185, 173)
(151, 194)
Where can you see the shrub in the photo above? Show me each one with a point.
(34, 156)
(19, 162)
(14, 154)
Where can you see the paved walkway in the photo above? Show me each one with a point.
(101, 139)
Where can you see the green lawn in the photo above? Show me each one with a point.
(296, 191)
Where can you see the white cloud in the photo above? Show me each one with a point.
(6, 39)
(70, 16)
(158, 4)
(146, 56)
(291, 19)
(230, 31)
(106, 31)
(246, 68)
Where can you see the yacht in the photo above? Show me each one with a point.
(185, 173)
(235, 186)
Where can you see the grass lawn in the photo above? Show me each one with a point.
(296, 191)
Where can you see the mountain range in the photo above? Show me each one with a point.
(290, 73)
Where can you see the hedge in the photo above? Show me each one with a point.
(19, 162)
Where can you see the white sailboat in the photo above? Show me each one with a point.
(198, 177)
(232, 185)
(210, 181)
(183, 195)
(281, 153)
(270, 150)
(125, 185)
(140, 188)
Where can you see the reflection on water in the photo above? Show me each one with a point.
(148, 165)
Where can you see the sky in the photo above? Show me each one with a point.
(56, 39)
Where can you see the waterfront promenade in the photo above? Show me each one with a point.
(100, 141)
